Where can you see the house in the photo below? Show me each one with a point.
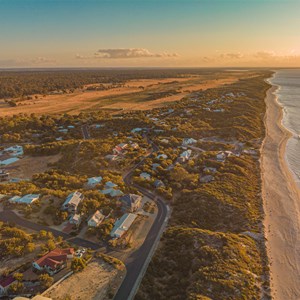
(135, 146)
(162, 156)
(131, 202)
(63, 130)
(92, 181)
(155, 166)
(250, 151)
(96, 219)
(206, 178)
(184, 156)
(221, 156)
(123, 146)
(158, 130)
(158, 183)
(9, 161)
(188, 141)
(72, 201)
(27, 199)
(75, 219)
(112, 192)
(4, 176)
(145, 176)
(53, 261)
(122, 225)
(14, 150)
(5, 283)
(120, 148)
(135, 130)
(110, 184)
(97, 126)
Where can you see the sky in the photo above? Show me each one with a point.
(149, 33)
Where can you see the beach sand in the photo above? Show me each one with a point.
(281, 205)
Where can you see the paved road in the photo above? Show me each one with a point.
(137, 262)
(12, 217)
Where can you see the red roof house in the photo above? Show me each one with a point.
(53, 261)
(5, 283)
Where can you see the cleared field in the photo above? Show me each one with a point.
(94, 282)
(27, 166)
(134, 95)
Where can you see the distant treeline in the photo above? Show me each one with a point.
(21, 83)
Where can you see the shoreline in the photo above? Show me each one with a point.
(281, 198)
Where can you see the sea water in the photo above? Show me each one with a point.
(288, 93)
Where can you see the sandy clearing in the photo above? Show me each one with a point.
(160, 102)
(281, 205)
(92, 283)
(91, 100)
(29, 165)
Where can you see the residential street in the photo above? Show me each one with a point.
(137, 263)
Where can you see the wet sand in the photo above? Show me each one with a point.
(281, 205)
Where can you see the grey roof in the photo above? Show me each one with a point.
(130, 199)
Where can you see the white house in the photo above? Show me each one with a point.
(72, 201)
(188, 141)
(184, 156)
(96, 219)
(165, 141)
(163, 156)
(145, 176)
(122, 225)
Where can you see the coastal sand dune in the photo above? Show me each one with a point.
(281, 204)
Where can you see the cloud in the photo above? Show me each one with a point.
(232, 55)
(126, 53)
(265, 55)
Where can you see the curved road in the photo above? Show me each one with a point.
(137, 263)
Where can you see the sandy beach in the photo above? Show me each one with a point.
(281, 205)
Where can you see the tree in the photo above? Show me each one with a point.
(18, 276)
(30, 247)
(50, 244)
(78, 264)
(16, 288)
(46, 280)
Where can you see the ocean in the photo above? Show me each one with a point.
(289, 98)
